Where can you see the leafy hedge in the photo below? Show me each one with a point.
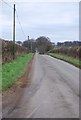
(70, 51)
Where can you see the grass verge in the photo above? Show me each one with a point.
(68, 59)
(14, 70)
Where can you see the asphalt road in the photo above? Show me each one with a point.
(52, 93)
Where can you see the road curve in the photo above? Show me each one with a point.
(52, 93)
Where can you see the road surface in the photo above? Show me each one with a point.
(52, 93)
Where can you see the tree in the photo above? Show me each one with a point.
(19, 42)
(30, 44)
(43, 44)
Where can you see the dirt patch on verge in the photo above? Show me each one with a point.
(24, 81)
(11, 97)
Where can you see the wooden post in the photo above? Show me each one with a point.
(14, 33)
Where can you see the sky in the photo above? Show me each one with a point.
(57, 20)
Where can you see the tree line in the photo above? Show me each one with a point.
(69, 43)
(42, 44)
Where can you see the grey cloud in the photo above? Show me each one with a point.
(59, 21)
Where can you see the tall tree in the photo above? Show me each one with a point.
(30, 44)
(43, 44)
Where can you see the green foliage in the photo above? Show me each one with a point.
(13, 70)
(68, 59)
(74, 52)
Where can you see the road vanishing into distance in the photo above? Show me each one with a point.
(53, 91)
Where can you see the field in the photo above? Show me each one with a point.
(13, 70)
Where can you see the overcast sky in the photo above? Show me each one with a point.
(58, 21)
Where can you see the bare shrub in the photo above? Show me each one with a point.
(7, 51)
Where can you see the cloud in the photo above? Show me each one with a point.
(59, 21)
(44, 1)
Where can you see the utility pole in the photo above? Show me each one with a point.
(14, 32)
(28, 37)
(31, 45)
(28, 43)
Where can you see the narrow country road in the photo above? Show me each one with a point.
(52, 93)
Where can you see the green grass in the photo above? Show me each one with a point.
(68, 59)
(13, 70)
